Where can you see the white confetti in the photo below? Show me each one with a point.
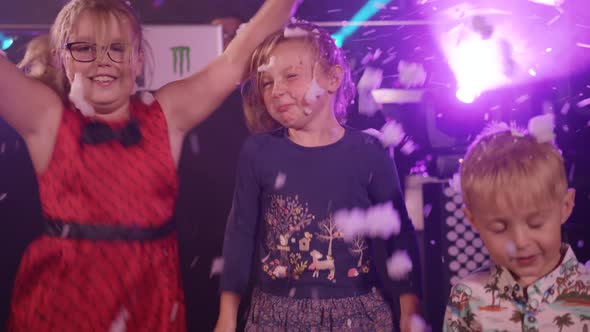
(565, 108)
(241, 28)
(3, 147)
(522, 99)
(280, 180)
(542, 127)
(382, 221)
(510, 249)
(271, 63)
(399, 265)
(147, 98)
(3, 196)
(351, 223)
(583, 103)
(77, 96)
(553, 3)
(174, 312)
(583, 45)
(119, 324)
(194, 262)
(417, 324)
(65, 231)
(349, 323)
(455, 183)
(216, 267)
(411, 74)
(369, 81)
(409, 148)
(194, 143)
(393, 133)
(426, 210)
(292, 292)
(375, 133)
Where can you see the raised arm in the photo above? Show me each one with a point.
(189, 101)
(26, 104)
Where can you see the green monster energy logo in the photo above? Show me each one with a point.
(181, 54)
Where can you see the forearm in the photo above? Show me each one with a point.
(228, 306)
(409, 304)
(271, 16)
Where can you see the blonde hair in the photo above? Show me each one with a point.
(328, 54)
(102, 10)
(512, 167)
(38, 62)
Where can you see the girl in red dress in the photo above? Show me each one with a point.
(107, 178)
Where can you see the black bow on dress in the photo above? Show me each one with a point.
(98, 132)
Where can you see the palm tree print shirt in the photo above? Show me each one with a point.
(492, 300)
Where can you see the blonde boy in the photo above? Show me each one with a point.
(517, 197)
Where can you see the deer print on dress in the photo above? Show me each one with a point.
(328, 232)
(319, 265)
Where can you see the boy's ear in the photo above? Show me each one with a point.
(469, 217)
(568, 205)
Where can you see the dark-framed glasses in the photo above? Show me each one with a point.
(87, 52)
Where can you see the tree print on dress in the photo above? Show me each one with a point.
(328, 232)
(285, 217)
(359, 246)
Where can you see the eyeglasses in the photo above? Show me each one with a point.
(86, 52)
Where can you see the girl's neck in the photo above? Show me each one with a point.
(321, 134)
(120, 114)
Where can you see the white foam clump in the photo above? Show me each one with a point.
(417, 324)
(119, 324)
(314, 92)
(399, 265)
(217, 266)
(455, 183)
(411, 74)
(77, 98)
(147, 97)
(377, 221)
(542, 127)
(393, 133)
(280, 180)
(369, 81)
(271, 63)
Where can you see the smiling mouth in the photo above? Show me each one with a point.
(103, 79)
(526, 260)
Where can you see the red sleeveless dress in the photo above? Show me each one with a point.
(85, 285)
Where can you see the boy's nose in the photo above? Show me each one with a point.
(520, 238)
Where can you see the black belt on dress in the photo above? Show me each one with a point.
(97, 232)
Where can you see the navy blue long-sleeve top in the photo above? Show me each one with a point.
(282, 213)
